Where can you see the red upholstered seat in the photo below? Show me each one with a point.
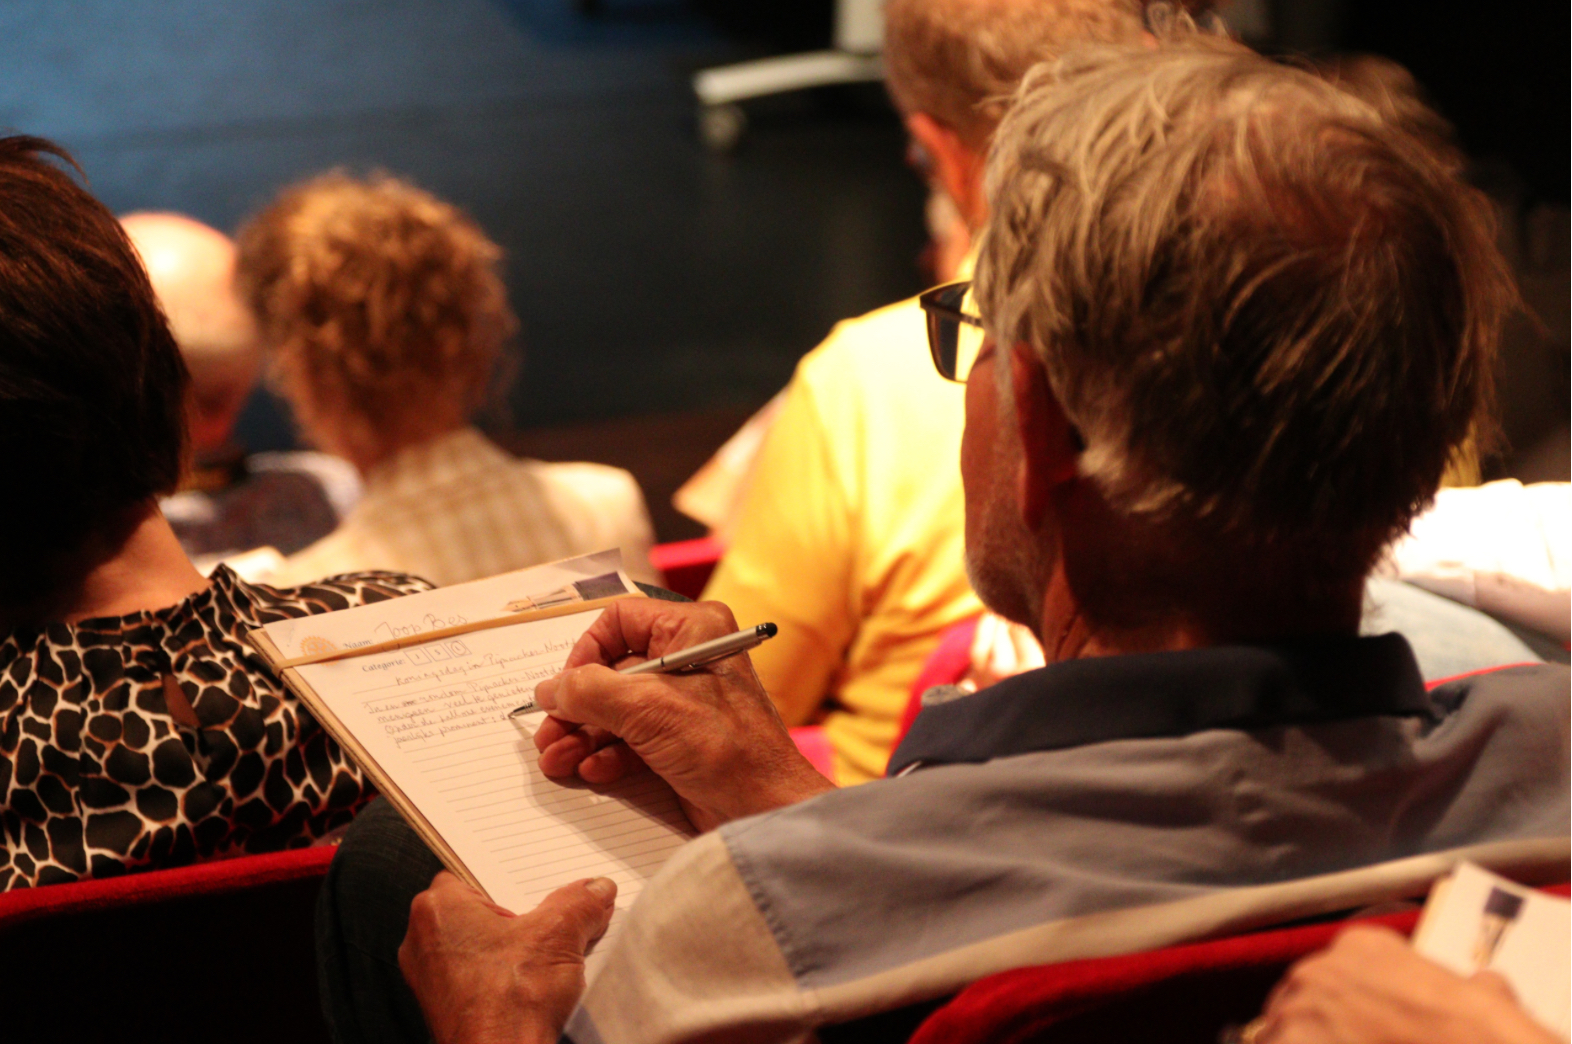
(811, 742)
(156, 886)
(1179, 995)
(687, 564)
(216, 951)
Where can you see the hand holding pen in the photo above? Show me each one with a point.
(714, 735)
(689, 658)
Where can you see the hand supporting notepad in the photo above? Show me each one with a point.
(428, 721)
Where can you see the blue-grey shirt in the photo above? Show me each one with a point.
(1093, 807)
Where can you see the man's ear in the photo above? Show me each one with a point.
(957, 166)
(1049, 446)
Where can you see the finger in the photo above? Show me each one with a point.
(610, 764)
(448, 886)
(1290, 984)
(1371, 936)
(576, 915)
(1004, 659)
(553, 729)
(546, 693)
(602, 643)
(1495, 983)
(982, 642)
(562, 758)
(1028, 650)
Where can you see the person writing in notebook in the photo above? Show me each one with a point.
(1232, 324)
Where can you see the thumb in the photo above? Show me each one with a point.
(1496, 983)
(576, 915)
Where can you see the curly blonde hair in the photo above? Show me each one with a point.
(381, 306)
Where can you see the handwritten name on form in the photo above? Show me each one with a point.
(434, 717)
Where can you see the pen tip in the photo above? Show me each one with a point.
(767, 630)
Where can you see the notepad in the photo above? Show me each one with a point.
(428, 722)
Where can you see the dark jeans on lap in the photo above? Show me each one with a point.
(362, 913)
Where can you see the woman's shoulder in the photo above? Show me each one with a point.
(326, 595)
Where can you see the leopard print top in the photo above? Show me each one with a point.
(101, 773)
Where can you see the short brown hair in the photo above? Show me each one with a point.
(381, 305)
(1270, 311)
(92, 387)
(960, 61)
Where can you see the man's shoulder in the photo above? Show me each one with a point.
(1530, 695)
(583, 475)
(873, 372)
(868, 343)
(583, 486)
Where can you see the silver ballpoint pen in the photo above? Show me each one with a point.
(694, 656)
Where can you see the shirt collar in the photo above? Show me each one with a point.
(1150, 695)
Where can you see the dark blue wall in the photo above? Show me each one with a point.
(649, 275)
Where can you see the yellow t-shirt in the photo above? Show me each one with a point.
(852, 534)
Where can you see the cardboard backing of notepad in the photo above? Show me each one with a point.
(346, 738)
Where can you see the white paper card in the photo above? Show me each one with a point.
(1475, 919)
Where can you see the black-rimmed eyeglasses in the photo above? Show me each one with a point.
(955, 332)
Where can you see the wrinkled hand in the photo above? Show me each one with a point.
(712, 733)
(1370, 987)
(484, 975)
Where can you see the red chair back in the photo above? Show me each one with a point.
(1180, 995)
(220, 950)
(687, 564)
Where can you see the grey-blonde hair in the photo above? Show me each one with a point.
(1269, 310)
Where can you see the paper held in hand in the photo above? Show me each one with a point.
(1475, 919)
(424, 710)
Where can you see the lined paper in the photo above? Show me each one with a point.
(434, 719)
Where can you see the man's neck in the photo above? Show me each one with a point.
(1067, 634)
(149, 570)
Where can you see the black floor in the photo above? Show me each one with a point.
(650, 275)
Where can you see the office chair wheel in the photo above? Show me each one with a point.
(721, 126)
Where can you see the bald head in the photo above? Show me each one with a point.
(192, 269)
